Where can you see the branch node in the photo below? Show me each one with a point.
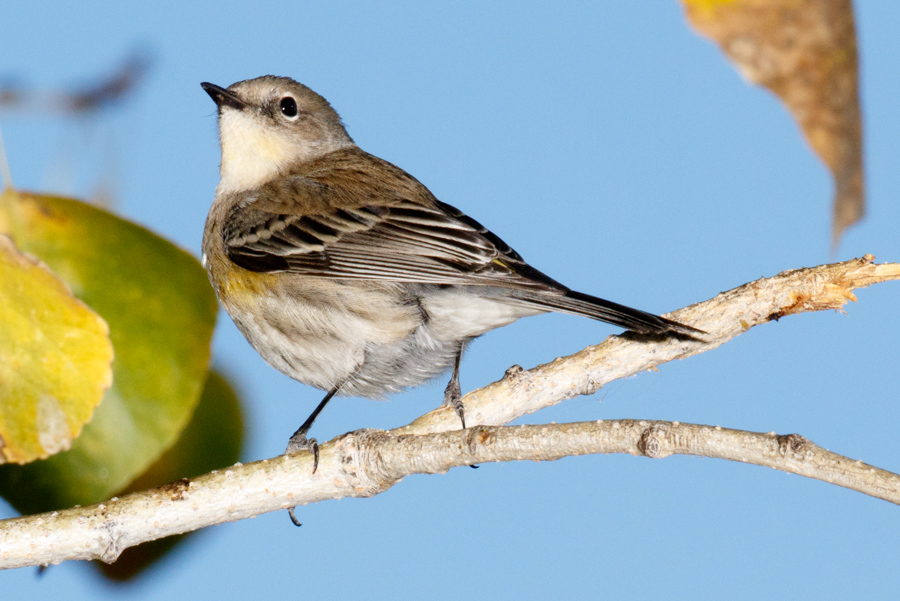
(653, 443)
(513, 371)
(361, 460)
(477, 436)
(792, 444)
(175, 490)
(112, 537)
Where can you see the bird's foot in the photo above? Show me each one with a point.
(299, 442)
(453, 398)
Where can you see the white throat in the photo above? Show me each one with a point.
(251, 155)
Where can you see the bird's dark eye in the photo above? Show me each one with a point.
(289, 107)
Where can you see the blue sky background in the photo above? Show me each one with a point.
(618, 152)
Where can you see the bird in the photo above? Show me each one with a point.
(346, 273)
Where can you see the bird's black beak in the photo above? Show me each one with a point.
(223, 97)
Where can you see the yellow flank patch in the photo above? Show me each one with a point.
(241, 283)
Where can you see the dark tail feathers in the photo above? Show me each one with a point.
(578, 303)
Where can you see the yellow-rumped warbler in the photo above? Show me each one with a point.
(346, 273)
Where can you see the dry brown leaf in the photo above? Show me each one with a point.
(805, 52)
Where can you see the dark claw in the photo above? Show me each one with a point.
(461, 413)
(299, 442)
(315, 451)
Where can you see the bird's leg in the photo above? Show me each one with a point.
(452, 394)
(299, 441)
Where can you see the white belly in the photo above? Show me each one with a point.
(399, 336)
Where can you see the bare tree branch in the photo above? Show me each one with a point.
(365, 463)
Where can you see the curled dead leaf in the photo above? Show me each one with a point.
(805, 52)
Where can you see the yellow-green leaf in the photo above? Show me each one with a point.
(55, 357)
(161, 312)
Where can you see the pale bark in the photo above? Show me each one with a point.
(365, 463)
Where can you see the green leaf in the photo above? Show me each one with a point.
(161, 312)
(211, 440)
(55, 357)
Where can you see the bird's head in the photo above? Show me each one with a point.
(268, 124)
